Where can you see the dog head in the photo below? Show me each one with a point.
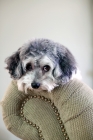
(41, 64)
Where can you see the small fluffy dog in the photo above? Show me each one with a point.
(42, 64)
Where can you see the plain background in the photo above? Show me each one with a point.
(69, 22)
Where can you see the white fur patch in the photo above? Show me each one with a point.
(76, 75)
(48, 85)
(24, 83)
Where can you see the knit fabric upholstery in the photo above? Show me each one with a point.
(65, 113)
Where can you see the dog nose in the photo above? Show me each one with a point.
(35, 85)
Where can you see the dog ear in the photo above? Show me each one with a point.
(67, 64)
(14, 65)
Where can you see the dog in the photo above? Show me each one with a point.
(42, 64)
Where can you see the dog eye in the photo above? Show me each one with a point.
(46, 68)
(28, 67)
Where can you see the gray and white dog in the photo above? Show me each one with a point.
(42, 64)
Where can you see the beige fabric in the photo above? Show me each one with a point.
(71, 115)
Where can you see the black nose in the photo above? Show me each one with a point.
(35, 85)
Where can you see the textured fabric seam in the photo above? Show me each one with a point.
(77, 115)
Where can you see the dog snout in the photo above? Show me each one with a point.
(35, 85)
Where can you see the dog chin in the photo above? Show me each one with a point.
(47, 85)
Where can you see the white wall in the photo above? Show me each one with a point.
(66, 21)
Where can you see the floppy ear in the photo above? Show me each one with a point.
(67, 64)
(14, 65)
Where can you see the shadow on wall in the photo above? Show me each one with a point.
(3, 135)
(90, 74)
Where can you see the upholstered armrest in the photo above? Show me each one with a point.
(65, 113)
